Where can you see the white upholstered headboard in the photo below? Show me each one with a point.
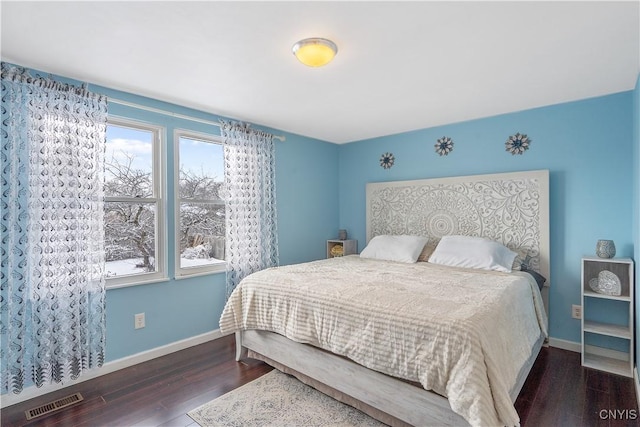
(511, 208)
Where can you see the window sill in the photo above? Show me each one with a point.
(163, 279)
(200, 273)
(137, 283)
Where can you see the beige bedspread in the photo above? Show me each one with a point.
(462, 333)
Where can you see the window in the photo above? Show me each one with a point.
(200, 210)
(134, 206)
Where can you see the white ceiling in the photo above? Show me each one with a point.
(400, 66)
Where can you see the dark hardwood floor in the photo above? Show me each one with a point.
(558, 392)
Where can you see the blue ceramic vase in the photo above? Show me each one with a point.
(606, 249)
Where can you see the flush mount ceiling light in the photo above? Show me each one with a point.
(315, 52)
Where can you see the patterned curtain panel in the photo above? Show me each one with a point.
(52, 318)
(250, 199)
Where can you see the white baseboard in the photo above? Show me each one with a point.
(565, 345)
(109, 367)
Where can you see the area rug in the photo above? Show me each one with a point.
(278, 399)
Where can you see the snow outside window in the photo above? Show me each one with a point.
(200, 210)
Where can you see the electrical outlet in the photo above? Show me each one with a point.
(576, 311)
(139, 321)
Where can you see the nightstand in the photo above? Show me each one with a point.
(607, 320)
(336, 248)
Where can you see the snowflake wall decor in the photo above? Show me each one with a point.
(386, 161)
(444, 146)
(517, 144)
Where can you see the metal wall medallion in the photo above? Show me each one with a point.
(386, 160)
(444, 146)
(517, 144)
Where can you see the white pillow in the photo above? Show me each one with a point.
(473, 252)
(395, 248)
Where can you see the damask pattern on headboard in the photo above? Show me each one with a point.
(511, 208)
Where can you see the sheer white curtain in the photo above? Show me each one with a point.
(52, 238)
(250, 200)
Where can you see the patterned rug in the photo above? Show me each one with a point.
(277, 399)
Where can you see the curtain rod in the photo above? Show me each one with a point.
(176, 115)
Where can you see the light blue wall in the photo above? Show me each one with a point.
(307, 192)
(586, 146)
(307, 200)
(636, 204)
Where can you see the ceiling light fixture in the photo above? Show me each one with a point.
(315, 52)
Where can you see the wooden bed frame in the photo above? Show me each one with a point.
(512, 208)
(409, 403)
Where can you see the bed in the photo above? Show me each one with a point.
(395, 339)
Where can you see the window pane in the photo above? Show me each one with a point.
(129, 162)
(201, 169)
(130, 238)
(201, 234)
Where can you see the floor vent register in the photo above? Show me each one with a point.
(56, 405)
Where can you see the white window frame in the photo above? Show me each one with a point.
(197, 270)
(159, 199)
